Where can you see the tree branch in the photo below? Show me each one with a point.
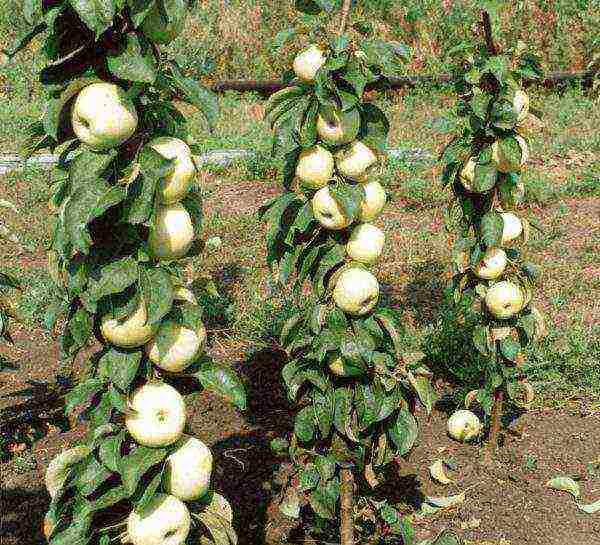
(489, 36)
(347, 507)
(344, 16)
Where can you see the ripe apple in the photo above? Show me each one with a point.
(504, 299)
(328, 212)
(373, 203)
(307, 63)
(366, 243)
(180, 346)
(512, 228)
(354, 161)
(315, 167)
(160, 30)
(341, 369)
(521, 105)
(503, 163)
(157, 415)
(356, 291)
(188, 470)
(338, 128)
(172, 234)
(492, 265)
(103, 116)
(58, 468)
(166, 521)
(132, 332)
(464, 426)
(176, 185)
(467, 174)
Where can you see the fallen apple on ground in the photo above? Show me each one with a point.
(328, 212)
(177, 184)
(356, 291)
(315, 167)
(103, 116)
(188, 470)
(464, 426)
(365, 244)
(156, 415)
(172, 233)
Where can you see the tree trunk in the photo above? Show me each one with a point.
(347, 507)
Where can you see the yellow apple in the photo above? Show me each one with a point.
(172, 234)
(512, 227)
(354, 161)
(504, 299)
(188, 470)
(315, 167)
(165, 521)
(338, 128)
(181, 346)
(365, 244)
(103, 116)
(328, 212)
(373, 202)
(464, 426)
(176, 185)
(307, 63)
(356, 291)
(131, 332)
(503, 163)
(492, 265)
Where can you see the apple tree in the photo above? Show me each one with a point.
(347, 371)
(483, 164)
(126, 217)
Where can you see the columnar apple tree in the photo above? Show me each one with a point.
(483, 164)
(346, 371)
(126, 216)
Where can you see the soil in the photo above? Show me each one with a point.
(506, 501)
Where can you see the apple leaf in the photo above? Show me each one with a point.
(120, 366)
(136, 464)
(375, 126)
(89, 475)
(349, 197)
(510, 349)
(96, 14)
(109, 279)
(343, 406)
(146, 494)
(404, 432)
(485, 178)
(196, 94)
(323, 499)
(81, 393)
(324, 404)
(491, 228)
(334, 257)
(304, 425)
(135, 62)
(139, 9)
(222, 381)
(109, 451)
(157, 289)
(389, 322)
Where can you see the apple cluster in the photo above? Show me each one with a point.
(339, 154)
(103, 117)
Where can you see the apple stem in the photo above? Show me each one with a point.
(344, 16)
(347, 507)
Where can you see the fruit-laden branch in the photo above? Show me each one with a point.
(270, 86)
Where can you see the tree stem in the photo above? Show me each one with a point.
(347, 507)
(344, 16)
(489, 36)
(496, 421)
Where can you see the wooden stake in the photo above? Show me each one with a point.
(344, 16)
(347, 507)
(496, 421)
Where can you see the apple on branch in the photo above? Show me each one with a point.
(165, 521)
(131, 332)
(365, 244)
(356, 291)
(188, 470)
(172, 233)
(177, 184)
(175, 347)
(328, 212)
(315, 167)
(307, 63)
(338, 128)
(354, 161)
(103, 116)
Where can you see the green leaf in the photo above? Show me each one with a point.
(134, 62)
(491, 228)
(157, 289)
(388, 320)
(109, 279)
(404, 432)
(323, 499)
(90, 474)
(197, 95)
(368, 400)
(109, 451)
(375, 127)
(485, 178)
(309, 478)
(482, 340)
(139, 9)
(96, 14)
(223, 381)
(149, 491)
(120, 366)
(324, 404)
(510, 349)
(136, 464)
(349, 197)
(343, 406)
(81, 393)
(331, 260)
(304, 425)
(112, 497)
